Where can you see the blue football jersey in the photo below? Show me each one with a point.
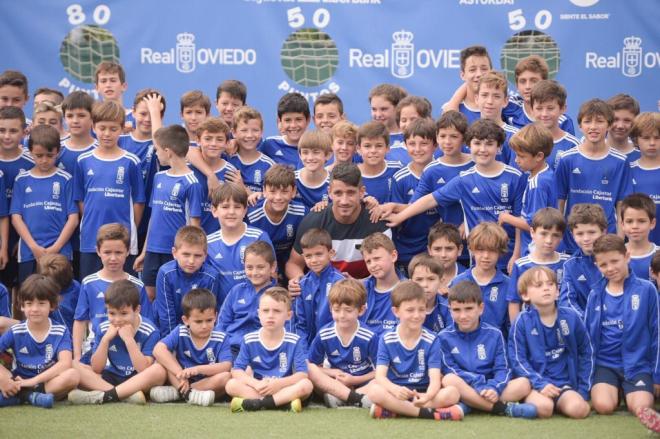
(646, 180)
(32, 357)
(228, 259)
(143, 149)
(108, 189)
(435, 175)
(568, 141)
(174, 201)
(379, 316)
(604, 180)
(68, 157)
(44, 203)
(281, 152)
(540, 192)
(309, 195)
(119, 361)
(11, 168)
(484, 197)
(398, 151)
(357, 357)
(525, 263)
(439, 317)
(287, 358)
(641, 265)
(282, 233)
(408, 237)
(471, 114)
(5, 302)
(409, 367)
(506, 154)
(66, 307)
(252, 173)
(91, 301)
(493, 293)
(380, 186)
(208, 222)
(514, 114)
(215, 350)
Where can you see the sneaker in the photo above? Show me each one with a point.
(205, 398)
(365, 402)
(296, 405)
(453, 413)
(331, 401)
(649, 418)
(43, 400)
(80, 397)
(136, 398)
(466, 409)
(236, 405)
(520, 410)
(378, 412)
(6, 402)
(164, 394)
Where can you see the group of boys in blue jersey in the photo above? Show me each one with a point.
(178, 262)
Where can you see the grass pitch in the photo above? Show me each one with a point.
(181, 420)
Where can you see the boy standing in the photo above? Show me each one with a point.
(42, 371)
(408, 378)
(229, 97)
(344, 144)
(491, 100)
(108, 186)
(187, 271)
(622, 318)
(292, 120)
(42, 207)
(550, 347)
(176, 201)
(195, 108)
(121, 366)
(312, 180)
(592, 172)
(227, 245)
(383, 100)
(13, 89)
(276, 358)
(637, 213)
(77, 109)
(645, 172)
(312, 309)
(475, 62)
(474, 359)
(328, 110)
(377, 172)
(197, 357)
(587, 223)
(349, 348)
(548, 227)
(626, 109)
(110, 82)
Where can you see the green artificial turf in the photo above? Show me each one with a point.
(184, 421)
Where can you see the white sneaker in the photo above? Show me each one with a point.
(331, 401)
(205, 398)
(365, 402)
(136, 398)
(80, 397)
(164, 394)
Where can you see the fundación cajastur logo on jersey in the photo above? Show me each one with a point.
(402, 58)
(186, 56)
(632, 59)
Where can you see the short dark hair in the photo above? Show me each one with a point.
(313, 237)
(406, 290)
(57, 267)
(424, 260)
(452, 119)
(278, 294)
(198, 298)
(46, 136)
(466, 291)
(261, 248)
(547, 218)
(373, 130)
(173, 137)
(14, 78)
(327, 99)
(12, 113)
(293, 103)
(229, 192)
(195, 97)
(78, 100)
(596, 107)
(49, 91)
(623, 101)
(347, 173)
(587, 213)
(638, 201)
(280, 176)
(485, 129)
(110, 67)
(609, 243)
(122, 293)
(473, 51)
(445, 230)
(393, 93)
(39, 287)
(423, 106)
(423, 127)
(234, 88)
(113, 232)
(547, 90)
(655, 263)
(146, 92)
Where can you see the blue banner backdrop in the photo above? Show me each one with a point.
(596, 48)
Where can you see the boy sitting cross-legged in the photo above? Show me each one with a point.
(121, 367)
(277, 375)
(550, 347)
(474, 359)
(197, 357)
(408, 378)
(42, 369)
(349, 347)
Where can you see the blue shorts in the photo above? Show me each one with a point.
(25, 269)
(152, 262)
(114, 379)
(613, 377)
